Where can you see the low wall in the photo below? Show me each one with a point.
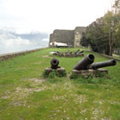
(5, 57)
(107, 56)
(111, 57)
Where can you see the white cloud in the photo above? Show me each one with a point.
(10, 42)
(24, 16)
(15, 42)
(45, 40)
(47, 15)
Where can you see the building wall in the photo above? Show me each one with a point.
(70, 37)
(64, 36)
(78, 35)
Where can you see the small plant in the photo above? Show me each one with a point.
(44, 74)
(74, 76)
(61, 73)
(53, 77)
(52, 74)
(100, 74)
(99, 78)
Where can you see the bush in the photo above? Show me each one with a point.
(98, 78)
(45, 74)
(54, 76)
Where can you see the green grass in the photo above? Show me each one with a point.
(26, 95)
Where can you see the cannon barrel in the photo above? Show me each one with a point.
(85, 62)
(75, 53)
(102, 64)
(54, 63)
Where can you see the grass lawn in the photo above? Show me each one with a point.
(26, 95)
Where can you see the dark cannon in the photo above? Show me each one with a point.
(86, 67)
(58, 71)
(85, 62)
(75, 53)
(54, 63)
(102, 64)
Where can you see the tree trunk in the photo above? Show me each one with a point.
(110, 53)
(107, 50)
(110, 43)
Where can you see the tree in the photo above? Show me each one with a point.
(116, 11)
(84, 41)
(97, 36)
(116, 7)
(104, 33)
(110, 29)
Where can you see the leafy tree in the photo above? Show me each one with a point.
(84, 41)
(116, 11)
(110, 29)
(116, 6)
(104, 33)
(97, 37)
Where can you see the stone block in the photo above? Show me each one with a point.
(61, 72)
(94, 73)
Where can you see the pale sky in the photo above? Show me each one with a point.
(24, 16)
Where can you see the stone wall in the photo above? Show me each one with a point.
(78, 35)
(5, 57)
(71, 37)
(64, 36)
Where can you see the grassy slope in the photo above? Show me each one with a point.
(25, 95)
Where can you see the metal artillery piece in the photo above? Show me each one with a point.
(86, 66)
(60, 71)
(102, 64)
(77, 53)
(85, 62)
(54, 63)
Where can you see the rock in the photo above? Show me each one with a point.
(94, 73)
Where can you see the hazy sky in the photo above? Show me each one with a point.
(47, 15)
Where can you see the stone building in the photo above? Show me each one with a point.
(70, 37)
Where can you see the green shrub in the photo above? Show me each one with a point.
(100, 74)
(54, 76)
(44, 74)
(74, 76)
(61, 74)
(99, 78)
(54, 73)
